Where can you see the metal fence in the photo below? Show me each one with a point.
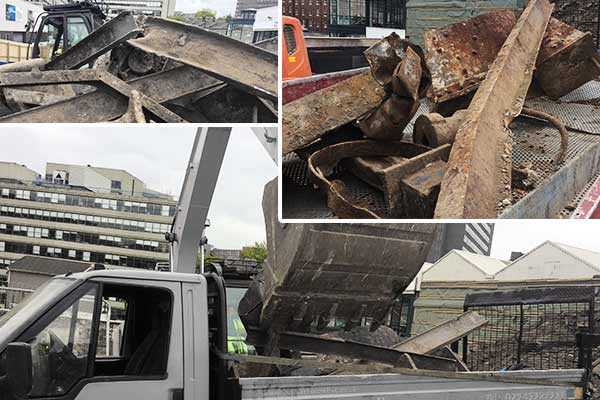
(10, 297)
(529, 328)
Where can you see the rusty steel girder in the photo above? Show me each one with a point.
(102, 80)
(307, 119)
(248, 67)
(99, 105)
(478, 179)
(106, 37)
(459, 55)
(567, 60)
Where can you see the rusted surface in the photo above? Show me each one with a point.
(297, 88)
(135, 110)
(310, 117)
(385, 56)
(566, 60)
(459, 55)
(229, 60)
(317, 272)
(388, 121)
(479, 169)
(564, 134)
(434, 130)
(409, 175)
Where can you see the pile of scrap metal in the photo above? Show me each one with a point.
(144, 69)
(457, 162)
(321, 282)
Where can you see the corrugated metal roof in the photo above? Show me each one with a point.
(589, 257)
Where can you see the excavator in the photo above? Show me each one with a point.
(169, 341)
(62, 26)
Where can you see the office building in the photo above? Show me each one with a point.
(82, 213)
(474, 238)
(242, 5)
(155, 8)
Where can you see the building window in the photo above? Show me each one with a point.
(115, 185)
(86, 256)
(36, 250)
(72, 253)
(2, 246)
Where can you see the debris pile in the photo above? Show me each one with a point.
(144, 69)
(456, 159)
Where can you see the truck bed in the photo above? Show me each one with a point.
(556, 194)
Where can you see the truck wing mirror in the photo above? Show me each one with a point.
(19, 368)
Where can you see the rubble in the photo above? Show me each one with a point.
(181, 73)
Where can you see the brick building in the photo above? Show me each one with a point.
(314, 14)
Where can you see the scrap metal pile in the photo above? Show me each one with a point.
(321, 282)
(455, 100)
(144, 69)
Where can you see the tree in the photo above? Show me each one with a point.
(257, 252)
(206, 13)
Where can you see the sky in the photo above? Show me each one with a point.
(222, 7)
(158, 155)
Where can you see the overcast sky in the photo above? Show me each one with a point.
(222, 7)
(158, 155)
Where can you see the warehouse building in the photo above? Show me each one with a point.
(83, 213)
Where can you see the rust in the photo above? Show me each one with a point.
(310, 117)
(478, 178)
(567, 60)
(388, 121)
(562, 129)
(459, 55)
(434, 130)
(409, 176)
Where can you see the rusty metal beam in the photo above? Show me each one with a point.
(478, 178)
(105, 38)
(100, 79)
(356, 350)
(442, 335)
(100, 106)
(310, 117)
(232, 61)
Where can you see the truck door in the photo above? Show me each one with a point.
(296, 63)
(106, 340)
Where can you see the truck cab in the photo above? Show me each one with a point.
(63, 26)
(113, 333)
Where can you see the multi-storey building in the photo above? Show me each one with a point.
(475, 238)
(82, 213)
(314, 14)
(156, 8)
(242, 5)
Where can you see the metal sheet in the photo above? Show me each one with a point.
(406, 387)
(459, 55)
(478, 179)
(229, 60)
(106, 37)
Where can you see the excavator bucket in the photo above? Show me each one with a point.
(322, 274)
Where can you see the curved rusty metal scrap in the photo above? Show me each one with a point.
(567, 60)
(388, 121)
(409, 176)
(385, 56)
(240, 64)
(459, 55)
(478, 178)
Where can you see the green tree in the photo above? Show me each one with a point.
(179, 18)
(257, 252)
(206, 13)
